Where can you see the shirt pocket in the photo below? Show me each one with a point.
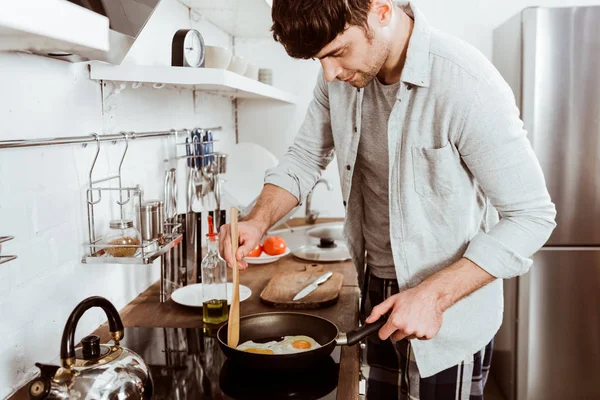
(434, 171)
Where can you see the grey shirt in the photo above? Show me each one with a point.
(372, 176)
(459, 159)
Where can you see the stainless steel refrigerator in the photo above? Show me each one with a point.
(549, 344)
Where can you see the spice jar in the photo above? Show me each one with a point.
(122, 233)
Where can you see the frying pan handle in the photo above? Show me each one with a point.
(357, 335)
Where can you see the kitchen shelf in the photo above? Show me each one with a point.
(51, 27)
(206, 79)
(241, 18)
(101, 257)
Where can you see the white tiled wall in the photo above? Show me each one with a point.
(42, 190)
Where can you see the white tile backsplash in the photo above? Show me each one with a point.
(42, 189)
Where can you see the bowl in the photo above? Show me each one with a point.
(217, 57)
(238, 65)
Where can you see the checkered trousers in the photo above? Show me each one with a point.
(391, 369)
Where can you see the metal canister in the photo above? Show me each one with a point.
(151, 213)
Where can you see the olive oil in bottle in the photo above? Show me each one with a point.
(214, 281)
(214, 311)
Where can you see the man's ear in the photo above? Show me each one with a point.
(382, 11)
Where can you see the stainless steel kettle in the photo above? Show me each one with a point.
(94, 371)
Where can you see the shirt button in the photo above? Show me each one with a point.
(409, 87)
(345, 203)
(355, 129)
(348, 167)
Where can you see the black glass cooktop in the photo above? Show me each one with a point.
(188, 364)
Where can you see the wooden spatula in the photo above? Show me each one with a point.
(233, 326)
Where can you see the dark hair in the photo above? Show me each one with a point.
(304, 27)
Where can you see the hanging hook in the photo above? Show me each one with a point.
(126, 136)
(91, 193)
(122, 203)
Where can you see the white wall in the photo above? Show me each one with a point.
(42, 190)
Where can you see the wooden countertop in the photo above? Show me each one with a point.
(146, 311)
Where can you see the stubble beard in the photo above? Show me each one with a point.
(380, 51)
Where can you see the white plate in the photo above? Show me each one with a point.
(264, 258)
(191, 295)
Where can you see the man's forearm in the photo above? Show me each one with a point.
(272, 205)
(456, 281)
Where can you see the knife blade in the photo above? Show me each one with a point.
(313, 286)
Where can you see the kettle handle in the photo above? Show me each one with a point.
(67, 346)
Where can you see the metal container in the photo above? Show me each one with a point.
(152, 219)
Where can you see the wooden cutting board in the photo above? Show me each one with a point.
(284, 285)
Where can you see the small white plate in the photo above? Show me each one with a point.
(264, 258)
(191, 295)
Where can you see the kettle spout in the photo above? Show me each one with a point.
(45, 386)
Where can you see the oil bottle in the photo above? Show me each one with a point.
(214, 281)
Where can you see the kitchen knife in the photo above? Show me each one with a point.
(312, 287)
(196, 139)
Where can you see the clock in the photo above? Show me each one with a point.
(188, 49)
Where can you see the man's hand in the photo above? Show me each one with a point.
(249, 235)
(415, 313)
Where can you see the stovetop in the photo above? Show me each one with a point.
(188, 363)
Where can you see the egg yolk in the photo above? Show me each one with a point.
(301, 344)
(259, 351)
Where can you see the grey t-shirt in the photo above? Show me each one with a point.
(372, 168)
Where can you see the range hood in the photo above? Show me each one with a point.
(126, 18)
(74, 30)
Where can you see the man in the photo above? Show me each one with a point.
(430, 150)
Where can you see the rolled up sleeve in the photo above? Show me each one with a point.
(495, 148)
(312, 150)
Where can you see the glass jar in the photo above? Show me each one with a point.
(214, 281)
(122, 233)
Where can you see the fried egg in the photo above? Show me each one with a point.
(289, 345)
(258, 348)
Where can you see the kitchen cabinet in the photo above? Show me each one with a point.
(52, 27)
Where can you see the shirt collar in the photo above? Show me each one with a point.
(416, 67)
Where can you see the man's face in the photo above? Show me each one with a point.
(354, 56)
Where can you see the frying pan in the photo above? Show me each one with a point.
(273, 326)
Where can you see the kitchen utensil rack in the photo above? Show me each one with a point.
(4, 259)
(93, 138)
(96, 253)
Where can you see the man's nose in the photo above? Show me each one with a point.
(331, 69)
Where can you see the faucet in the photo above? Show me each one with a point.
(311, 215)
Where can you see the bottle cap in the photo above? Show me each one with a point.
(211, 235)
